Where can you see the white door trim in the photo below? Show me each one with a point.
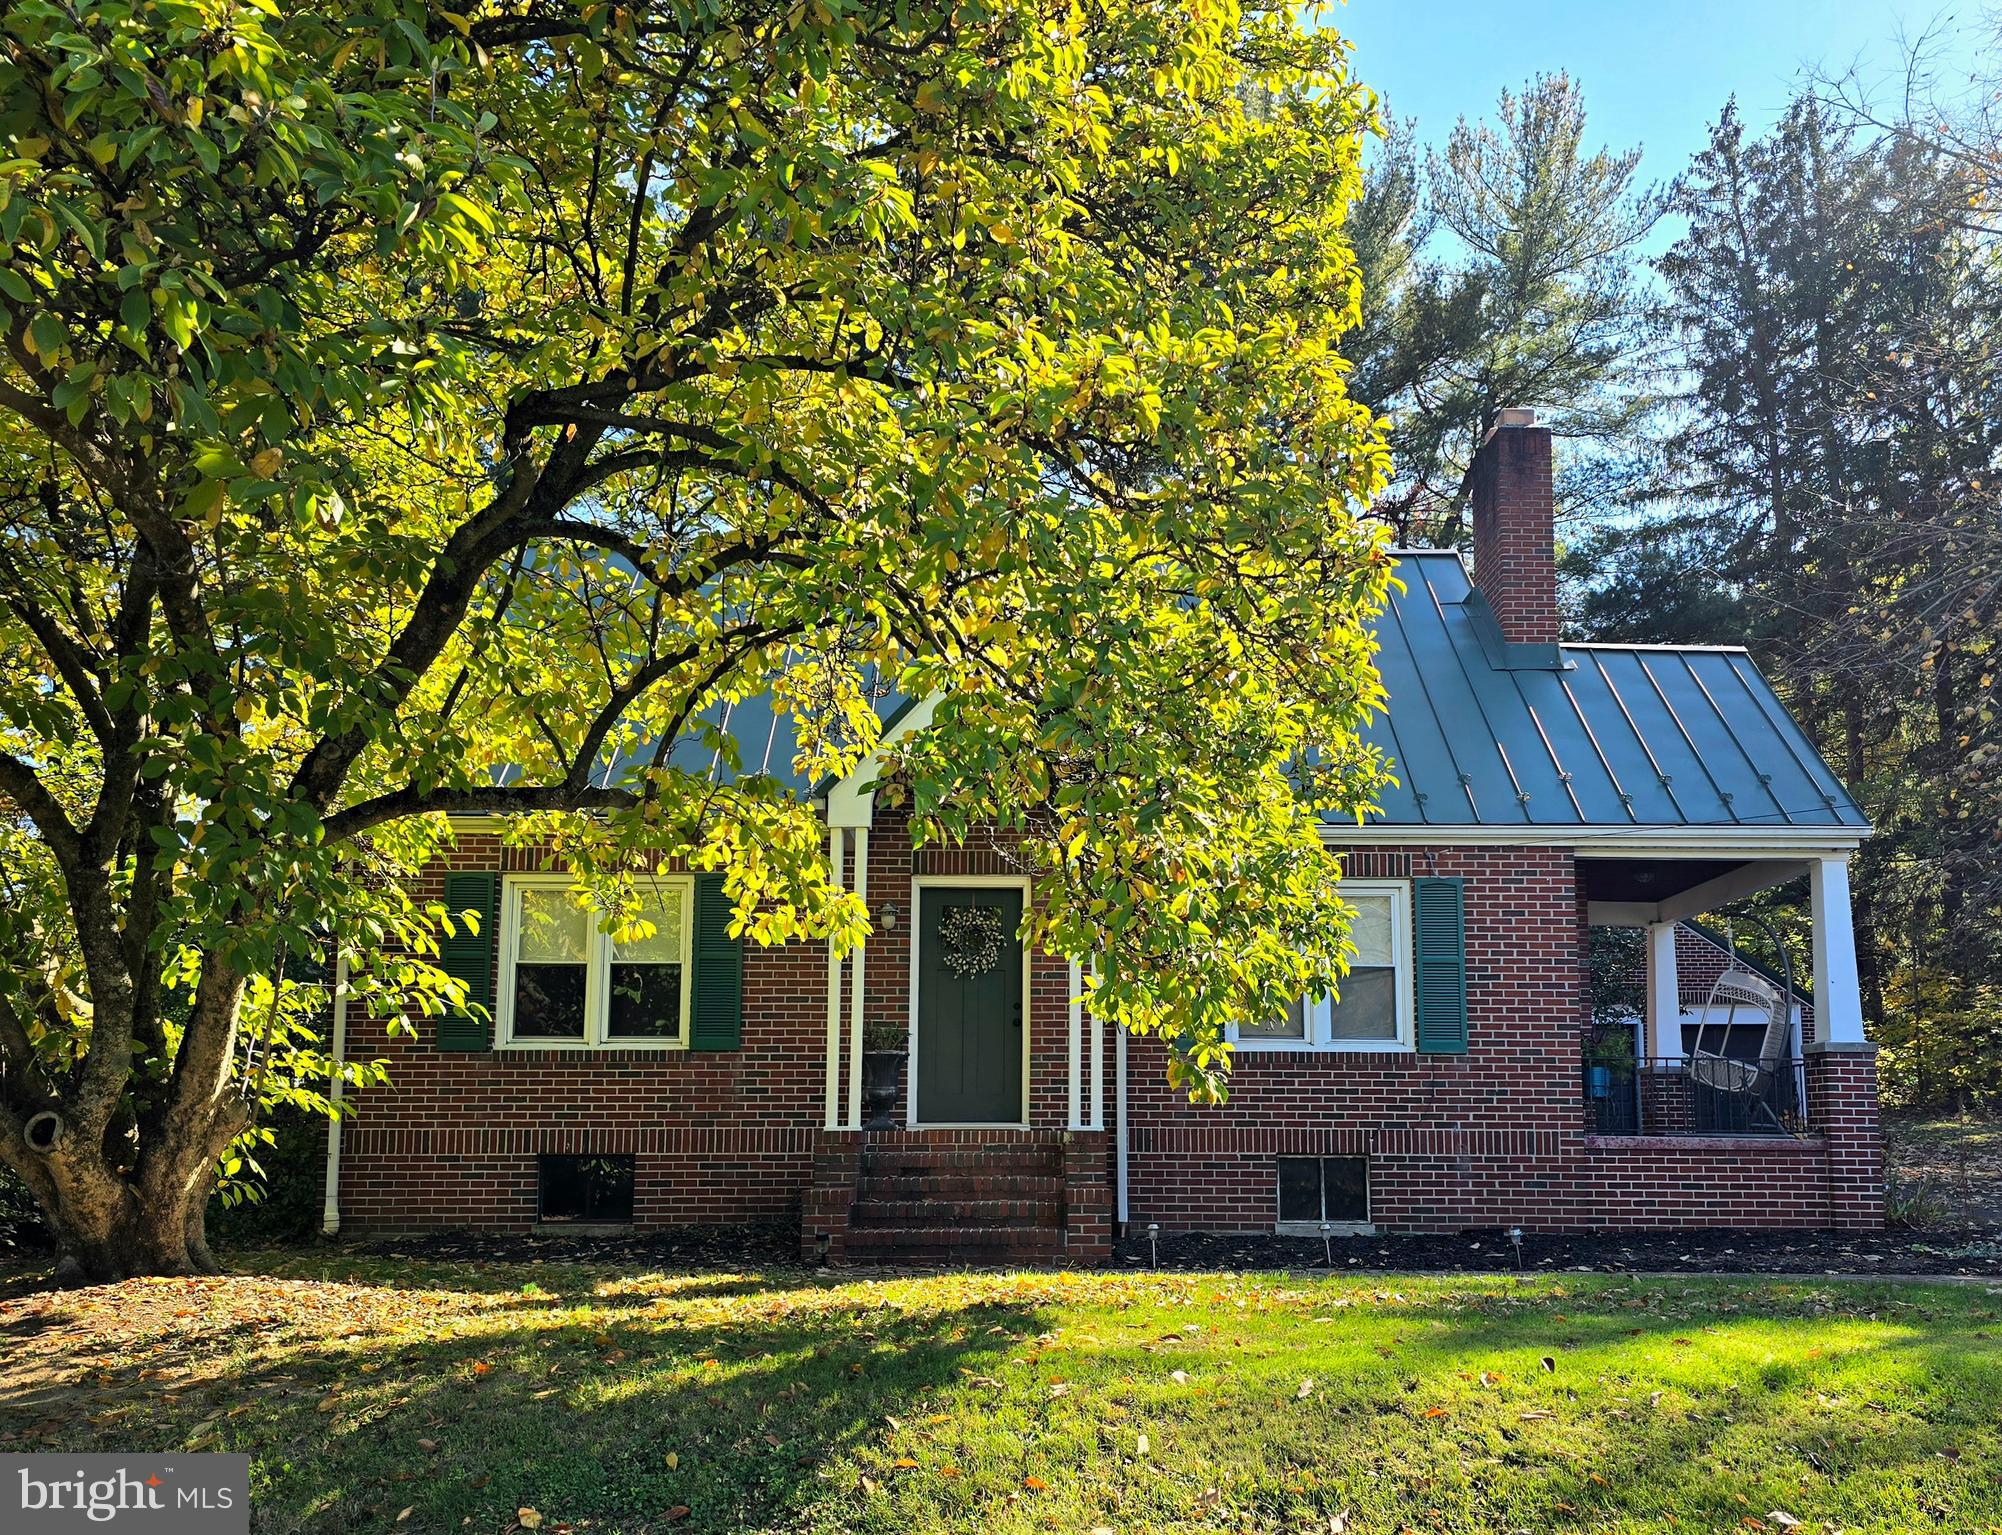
(919, 884)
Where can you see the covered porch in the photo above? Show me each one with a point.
(1737, 1053)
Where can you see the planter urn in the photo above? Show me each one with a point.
(882, 1074)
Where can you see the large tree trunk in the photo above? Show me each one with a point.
(108, 1226)
(127, 1195)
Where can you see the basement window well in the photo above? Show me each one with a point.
(584, 1191)
(1317, 1191)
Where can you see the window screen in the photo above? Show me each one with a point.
(551, 966)
(1292, 1026)
(588, 1190)
(1367, 1007)
(646, 973)
(1316, 1189)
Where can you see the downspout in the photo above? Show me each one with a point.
(330, 1211)
(1119, 1107)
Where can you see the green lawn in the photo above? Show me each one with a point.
(450, 1397)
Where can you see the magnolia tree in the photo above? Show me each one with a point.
(409, 413)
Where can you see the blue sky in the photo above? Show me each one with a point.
(1655, 73)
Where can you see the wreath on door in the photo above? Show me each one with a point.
(970, 939)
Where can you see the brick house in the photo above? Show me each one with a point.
(1545, 788)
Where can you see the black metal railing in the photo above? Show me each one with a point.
(1697, 1095)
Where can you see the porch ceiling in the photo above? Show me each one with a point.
(1649, 879)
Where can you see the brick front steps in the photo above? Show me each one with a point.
(1030, 1197)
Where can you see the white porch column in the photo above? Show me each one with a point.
(1097, 1063)
(1838, 1000)
(855, 986)
(1076, 1120)
(1664, 995)
(835, 838)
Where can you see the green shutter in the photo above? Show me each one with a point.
(469, 956)
(1440, 951)
(716, 1008)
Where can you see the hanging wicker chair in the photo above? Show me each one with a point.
(1747, 1085)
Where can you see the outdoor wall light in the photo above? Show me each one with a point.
(887, 915)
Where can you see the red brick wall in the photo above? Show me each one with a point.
(724, 1136)
(717, 1137)
(1494, 1137)
(1487, 1139)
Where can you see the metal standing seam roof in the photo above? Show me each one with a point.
(1481, 733)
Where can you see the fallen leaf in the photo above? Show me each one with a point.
(1338, 1524)
(428, 1446)
(1180, 1377)
(868, 1485)
(1141, 1447)
(406, 1513)
(528, 1518)
(1782, 1518)
(1306, 1390)
(1435, 1412)
(1034, 1483)
(479, 1481)
(676, 1514)
(673, 1460)
(904, 1463)
(948, 1471)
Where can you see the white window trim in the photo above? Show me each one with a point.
(597, 969)
(1320, 1009)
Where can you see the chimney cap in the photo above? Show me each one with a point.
(1512, 415)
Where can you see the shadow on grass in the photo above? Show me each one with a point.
(699, 1417)
(649, 1404)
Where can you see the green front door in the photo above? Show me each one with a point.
(969, 1055)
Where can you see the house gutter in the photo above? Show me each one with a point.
(330, 1210)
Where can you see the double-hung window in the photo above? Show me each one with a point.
(1373, 1011)
(567, 983)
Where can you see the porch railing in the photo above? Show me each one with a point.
(1704, 1095)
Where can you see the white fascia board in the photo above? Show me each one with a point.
(1613, 841)
(852, 801)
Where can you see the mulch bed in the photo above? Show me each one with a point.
(1975, 1251)
(734, 1248)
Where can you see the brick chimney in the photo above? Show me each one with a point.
(1515, 538)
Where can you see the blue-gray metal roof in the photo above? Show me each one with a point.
(1486, 734)
(1481, 733)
